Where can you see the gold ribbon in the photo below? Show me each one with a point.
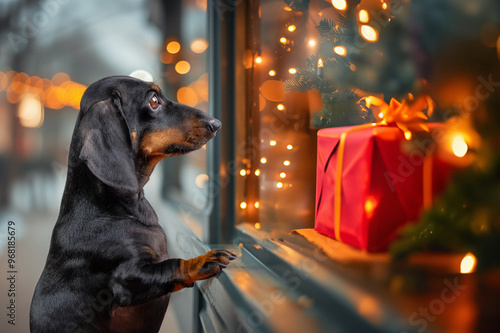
(407, 116)
(338, 181)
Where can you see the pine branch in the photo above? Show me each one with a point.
(338, 30)
(298, 5)
(340, 108)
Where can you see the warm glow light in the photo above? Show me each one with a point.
(202, 5)
(201, 180)
(60, 78)
(187, 95)
(173, 47)
(243, 205)
(384, 5)
(257, 225)
(256, 205)
(272, 143)
(273, 90)
(51, 97)
(258, 60)
(280, 107)
(381, 115)
(459, 146)
(282, 175)
(200, 87)
(243, 172)
(369, 307)
(407, 135)
(363, 16)
(292, 71)
(54, 93)
(30, 111)
(286, 163)
(182, 67)
(199, 45)
(283, 40)
(320, 63)
(370, 205)
(292, 28)
(339, 4)
(312, 42)
(166, 57)
(4, 80)
(257, 172)
(279, 184)
(340, 50)
(263, 160)
(369, 33)
(468, 264)
(272, 72)
(289, 147)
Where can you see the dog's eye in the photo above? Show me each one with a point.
(154, 102)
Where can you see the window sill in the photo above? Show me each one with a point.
(284, 283)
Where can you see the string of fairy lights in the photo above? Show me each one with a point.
(271, 96)
(274, 166)
(268, 92)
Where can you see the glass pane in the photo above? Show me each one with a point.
(185, 59)
(276, 182)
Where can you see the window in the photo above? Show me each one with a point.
(276, 148)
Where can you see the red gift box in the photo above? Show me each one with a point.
(381, 187)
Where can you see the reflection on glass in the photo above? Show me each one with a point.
(279, 150)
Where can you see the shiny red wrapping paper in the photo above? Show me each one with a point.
(382, 187)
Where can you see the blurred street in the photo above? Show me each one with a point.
(32, 233)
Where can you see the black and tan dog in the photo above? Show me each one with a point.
(108, 268)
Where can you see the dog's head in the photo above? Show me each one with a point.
(126, 126)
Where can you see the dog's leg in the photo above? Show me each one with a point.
(136, 285)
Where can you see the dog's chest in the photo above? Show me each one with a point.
(157, 245)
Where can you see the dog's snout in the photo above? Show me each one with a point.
(214, 125)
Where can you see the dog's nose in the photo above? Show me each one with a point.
(214, 125)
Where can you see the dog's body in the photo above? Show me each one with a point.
(108, 268)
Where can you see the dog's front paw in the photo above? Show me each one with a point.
(205, 266)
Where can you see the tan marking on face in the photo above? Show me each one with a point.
(155, 143)
(155, 87)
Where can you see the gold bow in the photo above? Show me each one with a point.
(408, 115)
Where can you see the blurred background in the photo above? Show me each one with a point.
(279, 71)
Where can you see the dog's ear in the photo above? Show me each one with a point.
(106, 145)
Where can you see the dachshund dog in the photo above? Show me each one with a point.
(108, 269)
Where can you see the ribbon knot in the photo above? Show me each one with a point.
(408, 115)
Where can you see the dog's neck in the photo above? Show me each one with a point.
(145, 166)
(105, 197)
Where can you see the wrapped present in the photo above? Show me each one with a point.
(368, 185)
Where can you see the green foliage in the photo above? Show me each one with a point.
(465, 218)
(340, 108)
(336, 30)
